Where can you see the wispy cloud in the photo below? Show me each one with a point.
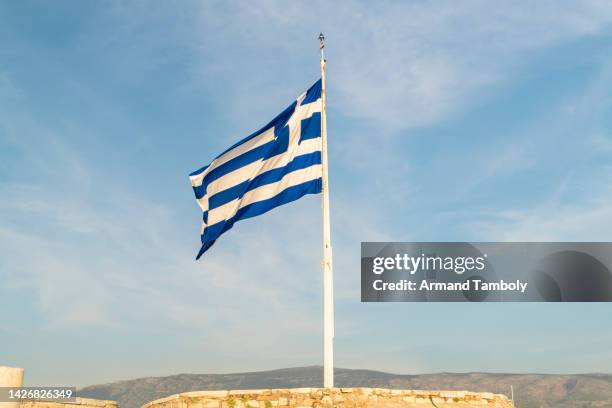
(575, 205)
(397, 65)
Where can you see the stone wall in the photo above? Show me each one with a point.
(331, 397)
(79, 403)
(10, 377)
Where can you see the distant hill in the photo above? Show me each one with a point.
(530, 390)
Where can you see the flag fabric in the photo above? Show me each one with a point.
(276, 165)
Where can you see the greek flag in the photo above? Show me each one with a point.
(278, 164)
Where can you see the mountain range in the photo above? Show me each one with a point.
(530, 390)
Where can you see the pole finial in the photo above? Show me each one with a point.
(321, 46)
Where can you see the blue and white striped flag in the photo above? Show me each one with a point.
(278, 164)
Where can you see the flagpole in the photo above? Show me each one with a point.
(328, 280)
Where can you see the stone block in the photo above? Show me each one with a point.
(301, 390)
(437, 400)
(316, 394)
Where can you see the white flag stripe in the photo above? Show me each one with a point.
(232, 179)
(250, 171)
(257, 141)
(265, 192)
(265, 137)
(203, 203)
(246, 172)
(196, 180)
(261, 166)
(262, 172)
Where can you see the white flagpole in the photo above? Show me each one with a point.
(328, 277)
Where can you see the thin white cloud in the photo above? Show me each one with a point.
(396, 65)
(559, 219)
(576, 206)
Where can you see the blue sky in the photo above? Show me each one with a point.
(471, 123)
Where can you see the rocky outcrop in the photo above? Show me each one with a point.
(331, 397)
(78, 403)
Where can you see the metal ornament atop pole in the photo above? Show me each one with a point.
(328, 279)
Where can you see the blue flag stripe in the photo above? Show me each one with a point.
(247, 158)
(313, 93)
(271, 176)
(265, 151)
(252, 210)
(311, 127)
(199, 171)
(273, 166)
(279, 121)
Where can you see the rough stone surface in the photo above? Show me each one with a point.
(330, 397)
(10, 377)
(79, 403)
